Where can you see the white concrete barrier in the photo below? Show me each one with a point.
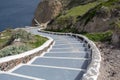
(7, 63)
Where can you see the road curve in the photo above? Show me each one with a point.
(67, 60)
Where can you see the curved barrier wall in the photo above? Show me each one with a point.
(92, 72)
(94, 66)
(10, 62)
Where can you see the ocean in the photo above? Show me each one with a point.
(17, 13)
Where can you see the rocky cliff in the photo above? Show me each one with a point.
(99, 18)
(116, 34)
(80, 16)
(46, 11)
(103, 17)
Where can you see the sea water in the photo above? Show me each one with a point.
(17, 13)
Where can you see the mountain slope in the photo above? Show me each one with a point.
(80, 16)
(87, 18)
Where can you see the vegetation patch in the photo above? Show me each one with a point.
(118, 24)
(13, 50)
(5, 36)
(107, 5)
(17, 41)
(68, 19)
(103, 36)
(79, 10)
(39, 40)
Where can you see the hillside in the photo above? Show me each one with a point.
(97, 16)
(48, 10)
(99, 20)
(80, 16)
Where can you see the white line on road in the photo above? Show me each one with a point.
(23, 76)
(57, 67)
(65, 58)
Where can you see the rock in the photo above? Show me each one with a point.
(46, 11)
(116, 37)
(95, 20)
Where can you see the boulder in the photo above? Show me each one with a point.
(46, 11)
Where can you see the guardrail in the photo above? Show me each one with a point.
(10, 62)
(94, 66)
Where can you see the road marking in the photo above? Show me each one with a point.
(67, 51)
(81, 52)
(66, 58)
(20, 75)
(33, 65)
(73, 48)
(60, 44)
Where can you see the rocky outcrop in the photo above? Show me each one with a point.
(47, 10)
(50, 9)
(116, 36)
(95, 20)
(100, 18)
(103, 20)
(74, 3)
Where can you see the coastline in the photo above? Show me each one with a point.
(17, 16)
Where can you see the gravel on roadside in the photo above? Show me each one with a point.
(110, 64)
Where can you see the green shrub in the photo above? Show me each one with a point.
(13, 50)
(27, 42)
(103, 36)
(79, 10)
(22, 34)
(39, 40)
(4, 37)
(118, 24)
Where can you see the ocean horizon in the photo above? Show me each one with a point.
(17, 13)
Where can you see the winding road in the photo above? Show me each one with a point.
(68, 59)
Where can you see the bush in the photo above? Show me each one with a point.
(27, 42)
(104, 36)
(22, 34)
(13, 50)
(39, 40)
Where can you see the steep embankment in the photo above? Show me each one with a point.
(103, 17)
(78, 16)
(69, 18)
(91, 17)
(100, 18)
(110, 65)
(48, 10)
(97, 19)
